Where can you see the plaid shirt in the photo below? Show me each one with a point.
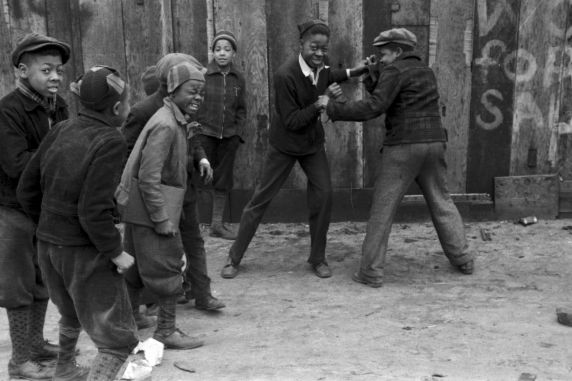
(223, 113)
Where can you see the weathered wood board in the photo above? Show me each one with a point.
(522, 196)
(190, 28)
(492, 93)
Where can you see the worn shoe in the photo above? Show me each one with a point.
(322, 270)
(70, 371)
(564, 316)
(45, 352)
(222, 231)
(357, 277)
(30, 370)
(209, 303)
(183, 299)
(144, 321)
(229, 270)
(467, 268)
(179, 340)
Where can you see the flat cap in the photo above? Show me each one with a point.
(35, 41)
(100, 87)
(169, 60)
(307, 25)
(225, 35)
(182, 73)
(396, 35)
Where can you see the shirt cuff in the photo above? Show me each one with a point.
(204, 161)
(348, 73)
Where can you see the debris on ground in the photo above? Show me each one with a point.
(485, 235)
(184, 366)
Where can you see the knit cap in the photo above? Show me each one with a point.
(305, 26)
(182, 73)
(33, 41)
(101, 87)
(225, 35)
(396, 35)
(149, 80)
(169, 60)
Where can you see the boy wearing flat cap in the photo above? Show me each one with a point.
(68, 188)
(26, 115)
(196, 279)
(405, 89)
(297, 135)
(156, 173)
(222, 118)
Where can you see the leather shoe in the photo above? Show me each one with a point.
(322, 270)
(70, 371)
(229, 270)
(467, 268)
(221, 231)
(30, 370)
(179, 340)
(358, 278)
(209, 303)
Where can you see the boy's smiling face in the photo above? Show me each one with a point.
(223, 53)
(314, 49)
(43, 72)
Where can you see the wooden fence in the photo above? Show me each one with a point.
(503, 66)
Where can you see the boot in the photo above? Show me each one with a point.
(208, 303)
(30, 370)
(66, 367)
(41, 349)
(218, 228)
(105, 367)
(167, 333)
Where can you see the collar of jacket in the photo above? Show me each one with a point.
(96, 115)
(212, 68)
(408, 55)
(30, 105)
(179, 116)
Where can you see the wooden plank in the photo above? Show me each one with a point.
(27, 16)
(190, 28)
(148, 36)
(282, 22)
(521, 196)
(376, 18)
(344, 141)
(453, 19)
(247, 20)
(63, 20)
(410, 12)
(6, 69)
(492, 94)
(103, 41)
(536, 101)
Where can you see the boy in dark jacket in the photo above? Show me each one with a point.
(297, 135)
(222, 118)
(26, 115)
(68, 189)
(405, 89)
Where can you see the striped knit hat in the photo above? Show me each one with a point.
(182, 73)
(225, 35)
(101, 87)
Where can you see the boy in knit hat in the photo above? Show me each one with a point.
(26, 115)
(297, 135)
(68, 188)
(156, 174)
(405, 89)
(196, 280)
(222, 118)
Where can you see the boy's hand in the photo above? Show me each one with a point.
(123, 262)
(334, 91)
(184, 259)
(322, 102)
(166, 228)
(206, 171)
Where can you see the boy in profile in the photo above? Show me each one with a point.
(26, 116)
(68, 189)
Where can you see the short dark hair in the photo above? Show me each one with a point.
(393, 46)
(316, 29)
(47, 51)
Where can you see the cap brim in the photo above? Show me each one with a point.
(64, 50)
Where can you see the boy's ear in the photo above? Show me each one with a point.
(23, 70)
(116, 107)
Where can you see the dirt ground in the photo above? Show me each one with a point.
(428, 322)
